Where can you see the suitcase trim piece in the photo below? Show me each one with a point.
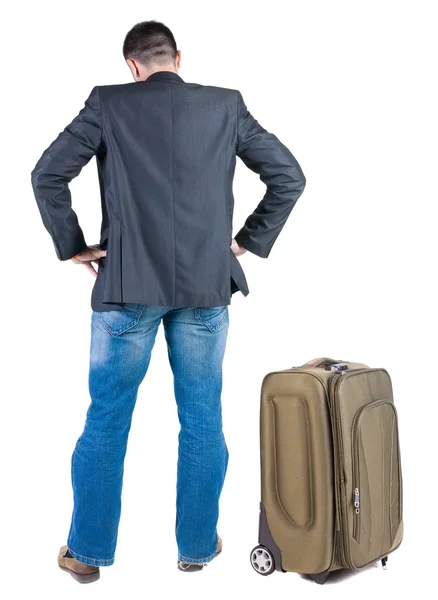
(266, 539)
(309, 473)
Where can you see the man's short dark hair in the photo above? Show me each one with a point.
(149, 43)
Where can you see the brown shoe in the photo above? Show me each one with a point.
(78, 570)
(192, 568)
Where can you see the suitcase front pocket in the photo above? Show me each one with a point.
(376, 484)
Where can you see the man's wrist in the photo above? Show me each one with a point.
(76, 255)
(248, 244)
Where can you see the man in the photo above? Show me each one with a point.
(166, 153)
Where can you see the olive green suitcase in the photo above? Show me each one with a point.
(331, 482)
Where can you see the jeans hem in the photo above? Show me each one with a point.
(195, 561)
(96, 562)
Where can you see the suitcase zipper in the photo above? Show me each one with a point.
(356, 466)
(338, 468)
(340, 493)
(356, 517)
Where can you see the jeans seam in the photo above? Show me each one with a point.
(196, 561)
(102, 561)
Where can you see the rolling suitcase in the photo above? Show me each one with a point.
(331, 481)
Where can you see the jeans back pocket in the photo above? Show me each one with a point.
(213, 317)
(116, 322)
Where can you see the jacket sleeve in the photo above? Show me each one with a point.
(59, 164)
(263, 153)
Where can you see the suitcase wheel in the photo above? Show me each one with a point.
(262, 560)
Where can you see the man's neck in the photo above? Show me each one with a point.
(160, 69)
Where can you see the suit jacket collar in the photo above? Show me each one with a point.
(165, 76)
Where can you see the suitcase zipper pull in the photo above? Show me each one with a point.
(356, 500)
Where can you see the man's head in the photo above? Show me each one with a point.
(148, 47)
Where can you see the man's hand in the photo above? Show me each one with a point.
(90, 255)
(237, 250)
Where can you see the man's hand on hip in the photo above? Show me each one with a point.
(90, 255)
(237, 250)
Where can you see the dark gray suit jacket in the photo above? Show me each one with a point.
(166, 154)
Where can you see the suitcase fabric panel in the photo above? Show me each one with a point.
(372, 510)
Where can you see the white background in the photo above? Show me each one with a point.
(350, 88)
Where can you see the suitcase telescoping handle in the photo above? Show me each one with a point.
(337, 366)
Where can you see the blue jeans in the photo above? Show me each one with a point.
(120, 351)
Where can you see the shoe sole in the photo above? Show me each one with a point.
(82, 577)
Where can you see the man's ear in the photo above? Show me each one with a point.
(133, 67)
(178, 59)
